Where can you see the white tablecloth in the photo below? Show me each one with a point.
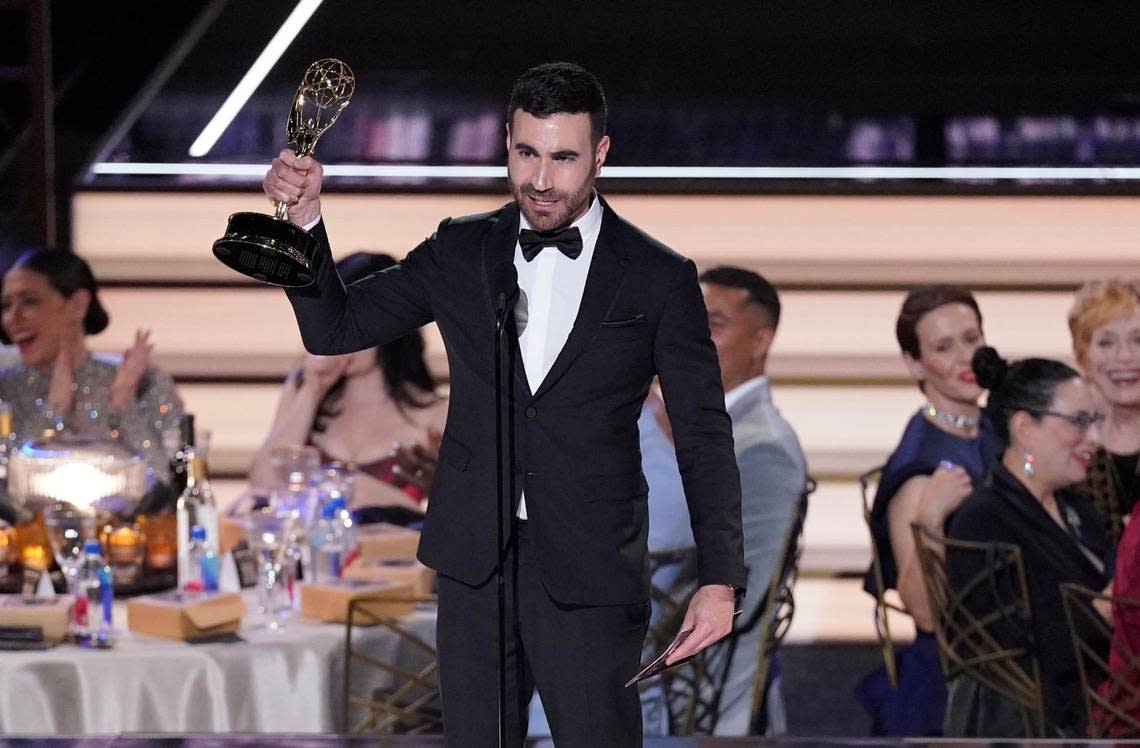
(282, 681)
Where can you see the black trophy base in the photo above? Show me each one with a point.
(268, 249)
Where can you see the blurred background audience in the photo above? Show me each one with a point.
(379, 411)
(50, 303)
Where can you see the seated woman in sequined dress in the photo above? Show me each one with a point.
(50, 305)
(376, 409)
(943, 453)
(1105, 326)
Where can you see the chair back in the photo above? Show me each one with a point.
(884, 608)
(694, 690)
(399, 693)
(1111, 694)
(775, 616)
(983, 623)
(673, 582)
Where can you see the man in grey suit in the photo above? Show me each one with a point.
(744, 310)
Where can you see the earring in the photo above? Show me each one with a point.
(1027, 467)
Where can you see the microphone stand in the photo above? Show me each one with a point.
(504, 443)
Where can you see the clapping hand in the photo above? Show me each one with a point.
(61, 391)
(136, 360)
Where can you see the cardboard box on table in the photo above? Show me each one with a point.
(52, 615)
(382, 540)
(408, 570)
(185, 615)
(230, 532)
(329, 601)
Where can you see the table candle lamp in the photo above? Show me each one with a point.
(125, 544)
(90, 477)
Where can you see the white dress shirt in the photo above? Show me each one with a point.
(551, 288)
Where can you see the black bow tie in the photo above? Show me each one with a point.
(568, 241)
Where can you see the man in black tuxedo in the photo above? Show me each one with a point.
(602, 309)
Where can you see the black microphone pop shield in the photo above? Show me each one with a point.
(504, 285)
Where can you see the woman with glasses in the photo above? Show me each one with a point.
(943, 453)
(1048, 419)
(1105, 326)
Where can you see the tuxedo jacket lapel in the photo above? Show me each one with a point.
(602, 282)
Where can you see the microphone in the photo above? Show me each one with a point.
(505, 285)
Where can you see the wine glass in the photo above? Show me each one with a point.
(270, 531)
(68, 527)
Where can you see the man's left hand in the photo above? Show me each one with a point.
(709, 616)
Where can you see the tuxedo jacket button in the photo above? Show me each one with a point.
(531, 412)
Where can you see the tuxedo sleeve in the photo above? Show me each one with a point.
(686, 363)
(335, 318)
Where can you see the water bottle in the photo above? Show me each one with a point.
(94, 597)
(196, 506)
(202, 566)
(345, 523)
(327, 543)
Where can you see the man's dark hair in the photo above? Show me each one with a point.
(921, 301)
(560, 88)
(760, 291)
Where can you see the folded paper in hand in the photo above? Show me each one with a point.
(658, 665)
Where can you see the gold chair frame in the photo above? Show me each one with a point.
(691, 714)
(1113, 712)
(966, 644)
(673, 603)
(883, 607)
(779, 604)
(413, 705)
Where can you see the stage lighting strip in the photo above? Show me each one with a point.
(253, 77)
(416, 171)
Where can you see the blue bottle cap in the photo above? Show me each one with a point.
(92, 546)
(329, 510)
(197, 532)
(338, 503)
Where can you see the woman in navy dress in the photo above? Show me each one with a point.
(943, 453)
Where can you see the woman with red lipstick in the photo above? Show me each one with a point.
(1105, 326)
(1048, 418)
(943, 452)
(50, 304)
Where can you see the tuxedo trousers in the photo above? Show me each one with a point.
(579, 658)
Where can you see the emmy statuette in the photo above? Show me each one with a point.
(270, 248)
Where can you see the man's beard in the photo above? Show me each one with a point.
(570, 205)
